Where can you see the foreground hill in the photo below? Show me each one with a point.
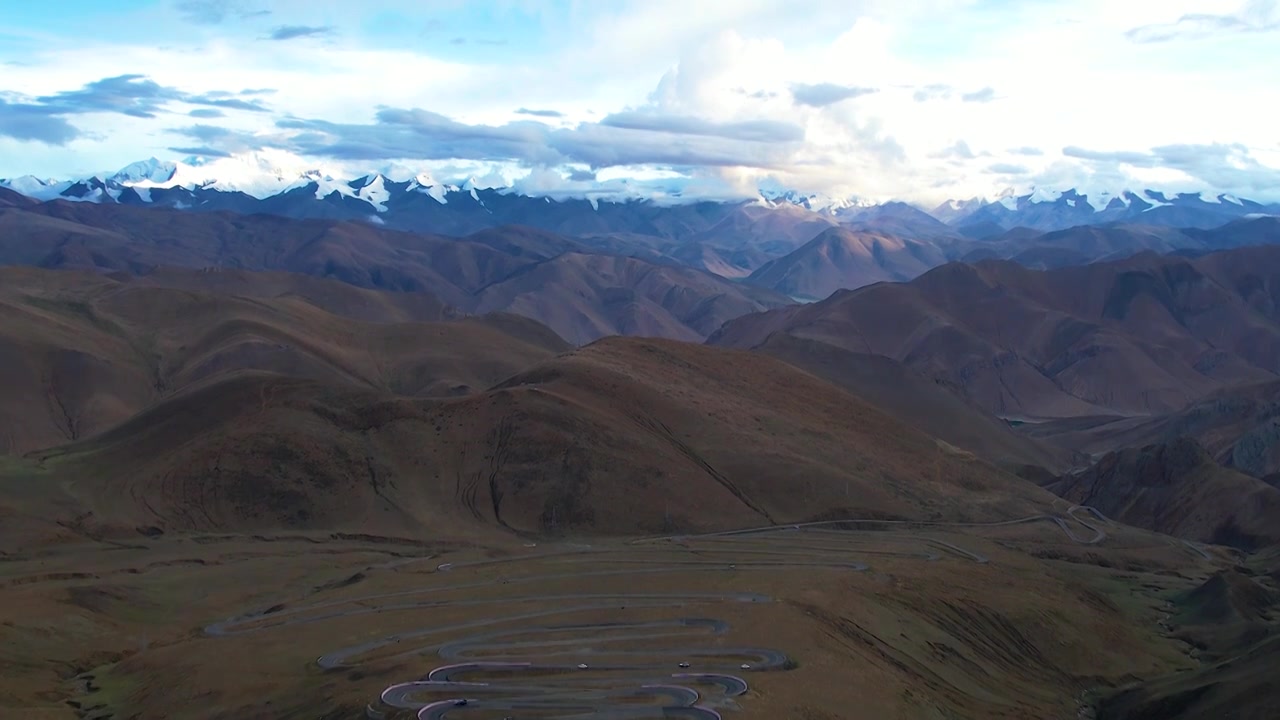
(1232, 620)
(1147, 335)
(1178, 489)
(622, 436)
(580, 294)
(82, 352)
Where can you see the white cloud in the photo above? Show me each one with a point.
(725, 97)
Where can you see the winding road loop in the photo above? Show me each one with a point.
(538, 644)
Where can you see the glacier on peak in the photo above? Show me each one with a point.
(149, 170)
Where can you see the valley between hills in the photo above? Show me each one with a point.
(267, 466)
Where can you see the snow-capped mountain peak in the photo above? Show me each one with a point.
(1045, 209)
(1043, 195)
(37, 188)
(259, 174)
(374, 191)
(282, 183)
(815, 202)
(150, 170)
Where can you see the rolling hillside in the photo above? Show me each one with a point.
(582, 295)
(84, 352)
(1145, 336)
(623, 436)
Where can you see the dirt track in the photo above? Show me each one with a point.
(620, 655)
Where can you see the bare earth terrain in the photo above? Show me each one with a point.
(898, 620)
(240, 495)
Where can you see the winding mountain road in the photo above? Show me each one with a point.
(567, 654)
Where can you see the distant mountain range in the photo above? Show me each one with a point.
(256, 182)
(804, 247)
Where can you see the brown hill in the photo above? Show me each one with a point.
(1144, 336)
(1230, 620)
(585, 297)
(918, 401)
(1242, 687)
(1082, 245)
(332, 296)
(11, 199)
(842, 258)
(622, 436)
(82, 352)
(1086, 244)
(1178, 489)
(1239, 426)
(750, 236)
(499, 269)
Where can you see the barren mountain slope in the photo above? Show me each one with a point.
(584, 297)
(1147, 335)
(622, 436)
(1178, 489)
(840, 258)
(1239, 426)
(517, 269)
(82, 352)
(918, 401)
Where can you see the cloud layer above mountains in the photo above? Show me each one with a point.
(909, 99)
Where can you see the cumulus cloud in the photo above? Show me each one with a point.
(43, 119)
(29, 122)
(823, 94)
(137, 96)
(940, 91)
(215, 12)
(200, 151)
(1255, 17)
(1007, 169)
(1139, 159)
(936, 91)
(540, 113)
(218, 141)
(728, 108)
(986, 94)
(752, 130)
(295, 32)
(1229, 167)
(477, 41)
(621, 139)
(959, 150)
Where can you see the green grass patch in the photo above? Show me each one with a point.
(76, 310)
(16, 470)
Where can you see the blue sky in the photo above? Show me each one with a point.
(911, 99)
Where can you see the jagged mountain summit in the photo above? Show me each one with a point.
(282, 184)
(1048, 210)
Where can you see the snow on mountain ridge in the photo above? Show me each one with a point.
(815, 202)
(375, 192)
(269, 173)
(34, 187)
(149, 170)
